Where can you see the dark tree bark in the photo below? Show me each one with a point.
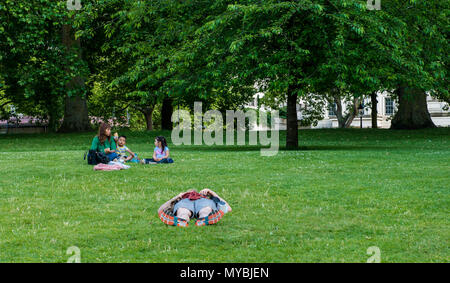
(166, 114)
(53, 114)
(52, 123)
(292, 123)
(76, 117)
(373, 98)
(412, 110)
(12, 90)
(148, 113)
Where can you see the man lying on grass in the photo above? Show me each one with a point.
(206, 206)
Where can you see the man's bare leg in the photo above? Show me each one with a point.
(204, 212)
(205, 216)
(184, 213)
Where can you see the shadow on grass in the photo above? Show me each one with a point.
(282, 148)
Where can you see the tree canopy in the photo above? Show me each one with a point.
(130, 54)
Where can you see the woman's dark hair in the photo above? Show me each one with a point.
(162, 140)
(102, 133)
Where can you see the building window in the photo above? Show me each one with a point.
(330, 109)
(389, 106)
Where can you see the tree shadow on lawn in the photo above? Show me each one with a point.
(283, 148)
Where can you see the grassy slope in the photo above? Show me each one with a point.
(344, 191)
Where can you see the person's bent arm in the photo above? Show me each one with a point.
(130, 156)
(214, 194)
(111, 148)
(169, 202)
(154, 156)
(167, 155)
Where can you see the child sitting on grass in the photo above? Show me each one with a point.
(122, 150)
(160, 153)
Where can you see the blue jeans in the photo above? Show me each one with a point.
(195, 205)
(112, 156)
(165, 160)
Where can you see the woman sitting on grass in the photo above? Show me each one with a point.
(160, 153)
(103, 142)
(206, 206)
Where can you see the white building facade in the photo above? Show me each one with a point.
(386, 108)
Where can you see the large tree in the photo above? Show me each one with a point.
(76, 117)
(426, 48)
(146, 55)
(37, 68)
(139, 40)
(292, 48)
(170, 52)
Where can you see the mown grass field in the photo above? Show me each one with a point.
(341, 193)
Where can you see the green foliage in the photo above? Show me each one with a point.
(328, 48)
(34, 65)
(312, 110)
(217, 51)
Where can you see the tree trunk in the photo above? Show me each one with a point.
(292, 123)
(52, 123)
(344, 121)
(76, 117)
(148, 112)
(166, 114)
(412, 110)
(53, 108)
(352, 114)
(52, 116)
(338, 112)
(373, 98)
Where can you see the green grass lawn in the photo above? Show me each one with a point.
(341, 193)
